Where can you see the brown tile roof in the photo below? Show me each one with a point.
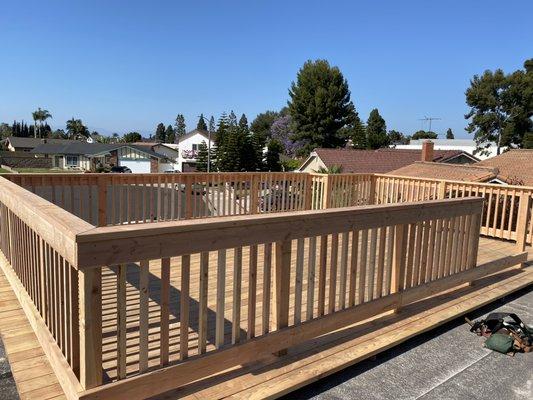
(377, 161)
(516, 166)
(454, 172)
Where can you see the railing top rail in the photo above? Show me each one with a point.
(494, 185)
(52, 223)
(131, 243)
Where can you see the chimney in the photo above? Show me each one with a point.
(427, 151)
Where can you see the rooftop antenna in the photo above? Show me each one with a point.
(429, 119)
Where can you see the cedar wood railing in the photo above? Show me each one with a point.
(307, 273)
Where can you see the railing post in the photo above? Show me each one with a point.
(327, 192)
(399, 260)
(522, 222)
(308, 200)
(282, 287)
(188, 197)
(372, 194)
(442, 190)
(90, 314)
(254, 200)
(102, 200)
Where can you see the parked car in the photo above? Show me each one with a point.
(120, 170)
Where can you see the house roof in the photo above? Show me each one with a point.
(75, 147)
(378, 161)
(455, 172)
(515, 166)
(194, 132)
(29, 142)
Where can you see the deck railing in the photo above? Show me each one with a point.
(248, 286)
(130, 309)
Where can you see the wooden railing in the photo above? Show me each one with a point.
(113, 199)
(132, 310)
(223, 292)
(38, 256)
(505, 207)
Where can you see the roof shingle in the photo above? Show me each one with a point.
(515, 166)
(454, 172)
(377, 161)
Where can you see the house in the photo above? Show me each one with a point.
(169, 150)
(188, 146)
(467, 145)
(514, 167)
(454, 172)
(381, 160)
(89, 156)
(15, 143)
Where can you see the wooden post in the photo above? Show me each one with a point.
(308, 200)
(442, 190)
(282, 287)
(254, 199)
(327, 192)
(102, 200)
(188, 197)
(372, 194)
(522, 222)
(90, 314)
(399, 261)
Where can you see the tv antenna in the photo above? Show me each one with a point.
(429, 120)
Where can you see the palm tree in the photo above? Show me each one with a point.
(75, 129)
(41, 116)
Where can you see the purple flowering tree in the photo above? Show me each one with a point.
(281, 131)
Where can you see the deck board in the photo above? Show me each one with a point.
(271, 376)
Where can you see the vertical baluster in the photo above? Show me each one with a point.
(121, 321)
(202, 297)
(267, 276)
(184, 306)
(298, 284)
(237, 287)
(144, 293)
(221, 298)
(165, 312)
(252, 291)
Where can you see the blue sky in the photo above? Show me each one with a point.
(122, 66)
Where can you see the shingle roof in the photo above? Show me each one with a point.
(377, 161)
(516, 166)
(454, 172)
(29, 142)
(88, 149)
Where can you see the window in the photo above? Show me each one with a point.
(195, 147)
(72, 161)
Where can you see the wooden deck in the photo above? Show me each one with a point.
(270, 377)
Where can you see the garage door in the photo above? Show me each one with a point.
(136, 166)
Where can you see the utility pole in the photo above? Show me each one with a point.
(208, 143)
(429, 119)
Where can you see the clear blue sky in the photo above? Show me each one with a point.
(122, 66)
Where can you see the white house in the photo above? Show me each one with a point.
(188, 146)
(466, 145)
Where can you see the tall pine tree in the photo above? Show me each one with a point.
(160, 133)
(201, 123)
(376, 131)
(170, 135)
(180, 127)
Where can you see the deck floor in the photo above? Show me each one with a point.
(35, 378)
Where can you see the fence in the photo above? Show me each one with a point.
(132, 310)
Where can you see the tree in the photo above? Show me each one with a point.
(5, 130)
(243, 122)
(396, 137)
(212, 127)
(282, 132)
(421, 134)
(376, 131)
(260, 126)
(160, 133)
(528, 140)
(76, 129)
(320, 105)
(449, 134)
(132, 137)
(201, 123)
(501, 107)
(274, 150)
(40, 116)
(170, 136)
(180, 127)
(201, 158)
(358, 134)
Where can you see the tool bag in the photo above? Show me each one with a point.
(506, 333)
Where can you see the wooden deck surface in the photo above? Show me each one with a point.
(272, 376)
